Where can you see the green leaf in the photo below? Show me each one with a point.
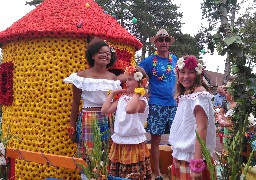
(207, 156)
(233, 39)
(235, 69)
(254, 101)
(217, 36)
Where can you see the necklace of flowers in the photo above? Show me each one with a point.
(168, 68)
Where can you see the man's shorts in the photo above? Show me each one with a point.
(160, 119)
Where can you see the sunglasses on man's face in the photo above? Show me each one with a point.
(162, 39)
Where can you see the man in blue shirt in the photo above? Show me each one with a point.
(219, 97)
(160, 67)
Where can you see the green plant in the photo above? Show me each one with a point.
(4, 161)
(97, 157)
(207, 157)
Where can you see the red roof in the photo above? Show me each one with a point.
(215, 78)
(61, 18)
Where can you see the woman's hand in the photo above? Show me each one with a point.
(73, 137)
(222, 123)
(72, 133)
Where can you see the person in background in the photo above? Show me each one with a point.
(129, 153)
(160, 68)
(91, 85)
(226, 111)
(219, 97)
(194, 113)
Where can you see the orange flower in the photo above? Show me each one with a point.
(130, 69)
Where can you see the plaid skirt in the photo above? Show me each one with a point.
(130, 158)
(181, 170)
(84, 129)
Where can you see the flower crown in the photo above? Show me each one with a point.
(190, 63)
(138, 76)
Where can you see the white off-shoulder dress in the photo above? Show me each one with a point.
(182, 136)
(94, 93)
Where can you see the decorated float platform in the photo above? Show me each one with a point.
(39, 51)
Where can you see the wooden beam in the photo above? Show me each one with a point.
(50, 159)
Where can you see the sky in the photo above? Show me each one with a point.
(13, 10)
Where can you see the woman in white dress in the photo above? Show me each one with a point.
(194, 113)
(91, 85)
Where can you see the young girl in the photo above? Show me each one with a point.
(129, 153)
(194, 113)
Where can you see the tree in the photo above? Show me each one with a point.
(34, 2)
(229, 40)
(150, 17)
(143, 18)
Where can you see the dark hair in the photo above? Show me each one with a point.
(94, 47)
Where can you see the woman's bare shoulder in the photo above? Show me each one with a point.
(83, 73)
(112, 76)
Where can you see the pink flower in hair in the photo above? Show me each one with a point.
(191, 63)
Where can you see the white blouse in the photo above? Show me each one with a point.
(129, 128)
(182, 134)
(94, 91)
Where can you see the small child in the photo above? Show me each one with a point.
(217, 115)
(129, 152)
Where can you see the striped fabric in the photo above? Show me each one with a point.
(130, 158)
(85, 122)
(181, 171)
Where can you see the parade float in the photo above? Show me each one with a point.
(39, 51)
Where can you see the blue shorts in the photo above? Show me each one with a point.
(160, 119)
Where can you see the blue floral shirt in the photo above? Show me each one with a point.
(161, 92)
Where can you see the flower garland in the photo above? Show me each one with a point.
(190, 63)
(168, 68)
(6, 83)
(138, 76)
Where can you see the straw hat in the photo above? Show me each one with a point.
(162, 33)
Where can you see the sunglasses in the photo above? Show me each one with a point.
(162, 39)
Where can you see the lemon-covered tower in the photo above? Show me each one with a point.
(39, 51)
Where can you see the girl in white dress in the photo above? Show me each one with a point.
(194, 113)
(91, 85)
(129, 153)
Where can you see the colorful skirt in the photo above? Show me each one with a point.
(84, 129)
(181, 170)
(130, 158)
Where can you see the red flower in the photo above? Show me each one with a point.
(6, 83)
(191, 63)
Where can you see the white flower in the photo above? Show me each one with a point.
(2, 161)
(199, 68)
(252, 120)
(138, 76)
(2, 149)
(180, 63)
(101, 163)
